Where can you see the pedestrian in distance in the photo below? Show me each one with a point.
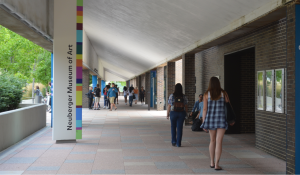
(177, 107)
(90, 95)
(196, 107)
(125, 93)
(94, 96)
(136, 94)
(117, 95)
(37, 91)
(105, 97)
(49, 94)
(214, 119)
(97, 98)
(197, 114)
(112, 95)
(142, 95)
(130, 94)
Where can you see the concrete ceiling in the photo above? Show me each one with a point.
(135, 35)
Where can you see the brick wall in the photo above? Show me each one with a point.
(178, 71)
(270, 53)
(160, 88)
(147, 87)
(170, 78)
(189, 79)
(85, 87)
(290, 43)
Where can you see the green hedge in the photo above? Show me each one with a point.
(10, 92)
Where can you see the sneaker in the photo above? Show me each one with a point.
(104, 107)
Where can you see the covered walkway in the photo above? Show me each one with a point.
(133, 141)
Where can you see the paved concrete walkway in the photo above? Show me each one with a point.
(133, 140)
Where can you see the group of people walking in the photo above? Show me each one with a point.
(111, 93)
(210, 109)
(134, 94)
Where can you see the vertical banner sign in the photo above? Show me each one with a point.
(64, 70)
(297, 92)
(79, 27)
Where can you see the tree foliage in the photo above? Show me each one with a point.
(20, 57)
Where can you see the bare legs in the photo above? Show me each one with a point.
(212, 146)
(111, 106)
(125, 100)
(215, 146)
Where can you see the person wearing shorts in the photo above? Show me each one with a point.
(112, 95)
(97, 98)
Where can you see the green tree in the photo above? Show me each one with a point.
(18, 56)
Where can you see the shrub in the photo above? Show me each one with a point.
(10, 92)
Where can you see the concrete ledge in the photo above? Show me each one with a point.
(18, 124)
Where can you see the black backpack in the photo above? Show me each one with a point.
(196, 125)
(179, 104)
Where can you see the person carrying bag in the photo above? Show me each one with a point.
(177, 107)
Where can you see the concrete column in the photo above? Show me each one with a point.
(170, 78)
(99, 82)
(67, 68)
(143, 80)
(178, 71)
(85, 87)
(189, 78)
(147, 87)
(94, 81)
(160, 88)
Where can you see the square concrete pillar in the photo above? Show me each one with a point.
(171, 78)
(143, 80)
(178, 71)
(147, 87)
(85, 87)
(160, 88)
(189, 78)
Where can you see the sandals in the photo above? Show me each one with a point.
(219, 169)
(116, 109)
(212, 166)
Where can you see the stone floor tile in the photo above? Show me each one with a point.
(19, 160)
(108, 171)
(43, 168)
(171, 165)
(11, 172)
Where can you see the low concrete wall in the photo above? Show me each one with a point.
(17, 124)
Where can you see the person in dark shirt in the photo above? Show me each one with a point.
(90, 95)
(97, 98)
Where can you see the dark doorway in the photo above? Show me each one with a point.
(239, 79)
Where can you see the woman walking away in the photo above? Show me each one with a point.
(136, 94)
(214, 118)
(125, 94)
(177, 111)
(142, 95)
(130, 94)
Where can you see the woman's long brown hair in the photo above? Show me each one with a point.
(214, 88)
